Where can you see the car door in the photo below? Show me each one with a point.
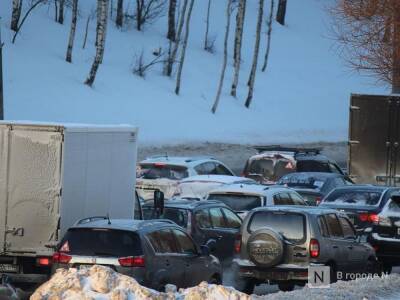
(195, 265)
(232, 228)
(166, 266)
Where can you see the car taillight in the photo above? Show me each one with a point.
(131, 261)
(318, 200)
(314, 248)
(238, 243)
(43, 261)
(61, 258)
(370, 218)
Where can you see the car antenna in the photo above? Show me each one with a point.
(108, 218)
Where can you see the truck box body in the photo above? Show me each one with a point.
(374, 137)
(53, 175)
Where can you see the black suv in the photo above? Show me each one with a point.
(272, 162)
(279, 244)
(154, 252)
(203, 220)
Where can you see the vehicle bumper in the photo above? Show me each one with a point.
(26, 278)
(387, 249)
(282, 272)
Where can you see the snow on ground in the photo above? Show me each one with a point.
(102, 283)
(302, 97)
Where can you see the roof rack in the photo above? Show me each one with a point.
(91, 219)
(295, 150)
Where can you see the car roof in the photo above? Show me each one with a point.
(123, 224)
(297, 208)
(254, 189)
(188, 203)
(177, 160)
(366, 187)
(226, 179)
(317, 175)
(312, 156)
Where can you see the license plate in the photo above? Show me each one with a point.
(8, 268)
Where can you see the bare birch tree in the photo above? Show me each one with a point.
(237, 53)
(68, 56)
(183, 52)
(281, 12)
(221, 79)
(171, 35)
(33, 5)
(206, 42)
(16, 14)
(252, 76)
(89, 17)
(269, 31)
(101, 40)
(61, 12)
(120, 14)
(175, 46)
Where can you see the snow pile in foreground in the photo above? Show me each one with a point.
(101, 283)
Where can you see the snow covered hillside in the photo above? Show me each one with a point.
(303, 96)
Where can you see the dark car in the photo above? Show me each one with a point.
(203, 220)
(362, 203)
(279, 244)
(273, 162)
(313, 186)
(154, 252)
(385, 234)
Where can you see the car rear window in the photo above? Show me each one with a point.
(160, 170)
(270, 168)
(312, 166)
(177, 215)
(238, 202)
(300, 180)
(101, 242)
(353, 197)
(290, 225)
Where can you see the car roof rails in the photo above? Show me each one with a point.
(295, 150)
(91, 219)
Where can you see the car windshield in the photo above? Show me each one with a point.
(353, 197)
(270, 168)
(101, 242)
(290, 225)
(300, 180)
(177, 215)
(238, 202)
(156, 171)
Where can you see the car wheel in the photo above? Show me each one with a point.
(372, 267)
(215, 280)
(386, 268)
(245, 286)
(332, 272)
(286, 286)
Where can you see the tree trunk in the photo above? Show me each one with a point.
(139, 11)
(172, 57)
(185, 41)
(101, 35)
(396, 54)
(33, 5)
(86, 32)
(120, 14)
(237, 49)
(171, 20)
(207, 25)
(61, 12)
(16, 14)
(281, 12)
(221, 80)
(269, 30)
(255, 55)
(68, 57)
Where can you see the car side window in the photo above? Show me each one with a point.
(347, 228)
(335, 230)
(232, 220)
(282, 199)
(297, 200)
(185, 243)
(217, 218)
(222, 170)
(202, 218)
(163, 241)
(208, 168)
(322, 227)
(200, 169)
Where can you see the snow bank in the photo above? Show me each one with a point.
(102, 283)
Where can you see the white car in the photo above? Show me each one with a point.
(197, 187)
(242, 198)
(164, 173)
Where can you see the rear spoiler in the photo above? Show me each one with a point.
(295, 150)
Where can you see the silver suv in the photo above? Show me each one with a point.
(278, 244)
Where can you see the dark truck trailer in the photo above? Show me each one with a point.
(374, 139)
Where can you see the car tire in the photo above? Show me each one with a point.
(372, 267)
(215, 279)
(245, 285)
(332, 272)
(286, 286)
(265, 247)
(386, 268)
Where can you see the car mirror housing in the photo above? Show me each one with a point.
(204, 250)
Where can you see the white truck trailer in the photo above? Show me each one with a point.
(52, 175)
